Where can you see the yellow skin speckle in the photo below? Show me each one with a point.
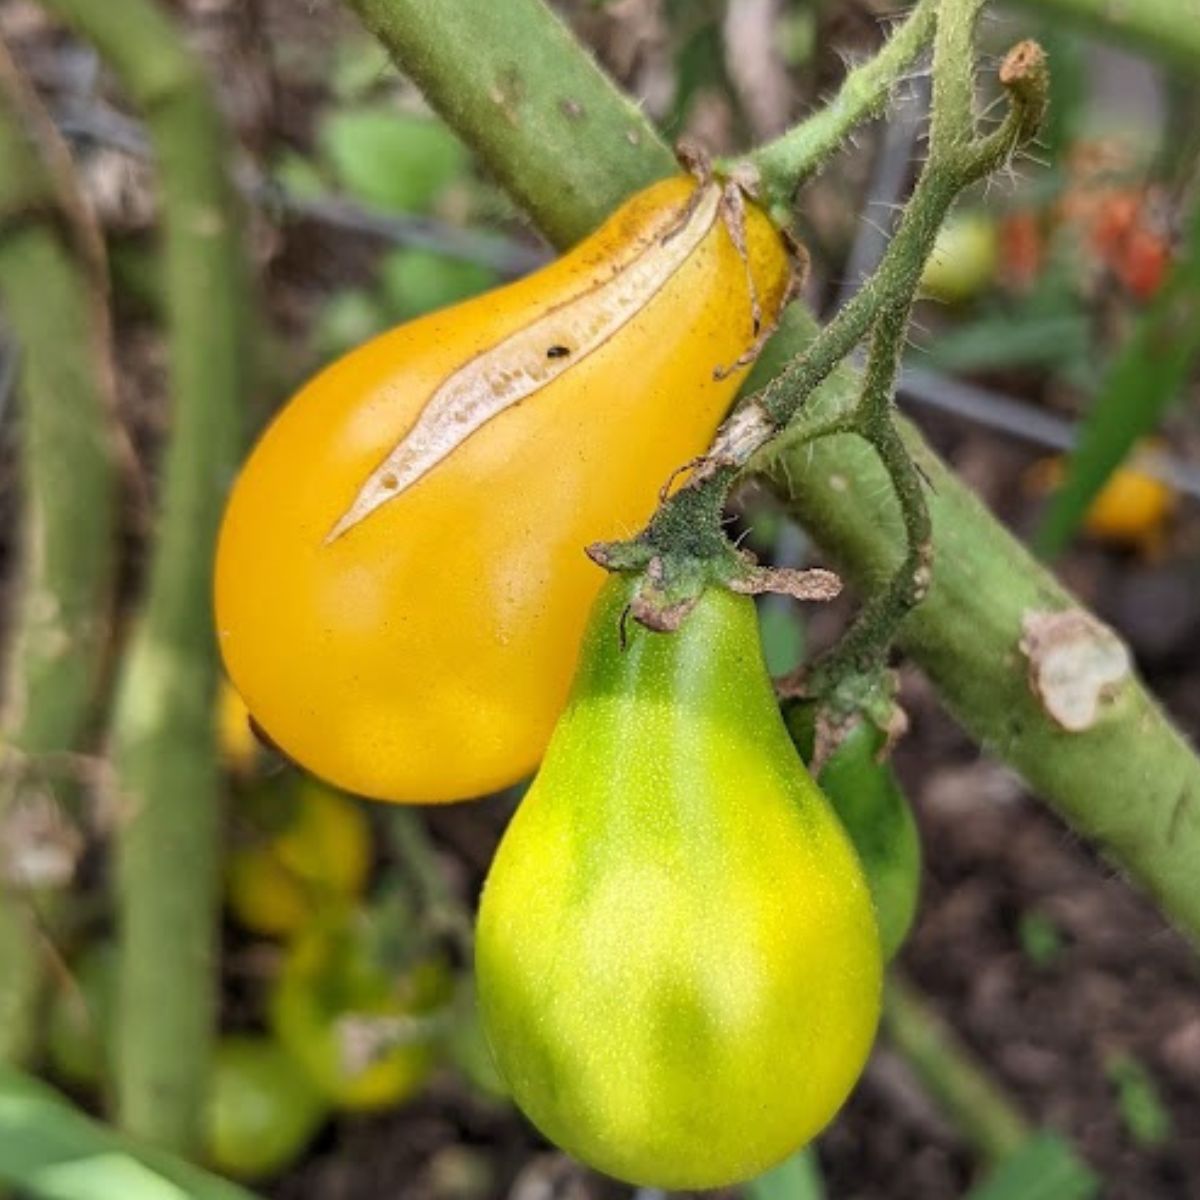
(678, 964)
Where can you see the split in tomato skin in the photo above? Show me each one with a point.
(420, 650)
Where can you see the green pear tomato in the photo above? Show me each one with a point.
(677, 959)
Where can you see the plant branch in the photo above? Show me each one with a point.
(52, 282)
(1131, 781)
(533, 96)
(163, 736)
(783, 164)
(957, 158)
(863, 648)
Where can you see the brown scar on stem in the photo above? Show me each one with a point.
(813, 584)
(1075, 665)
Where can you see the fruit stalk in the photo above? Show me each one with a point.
(163, 736)
(52, 277)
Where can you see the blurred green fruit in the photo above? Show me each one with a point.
(414, 282)
(389, 159)
(964, 258)
(262, 1108)
(343, 1002)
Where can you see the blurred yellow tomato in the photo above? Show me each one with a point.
(319, 855)
(235, 738)
(361, 1010)
(1132, 509)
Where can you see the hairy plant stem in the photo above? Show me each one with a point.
(52, 284)
(1130, 782)
(864, 646)
(957, 158)
(781, 166)
(163, 735)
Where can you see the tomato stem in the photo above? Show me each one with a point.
(52, 282)
(687, 526)
(163, 734)
(783, 165)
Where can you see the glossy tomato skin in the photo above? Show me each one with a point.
(424, 652)
(677, 960)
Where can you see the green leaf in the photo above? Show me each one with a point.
(347, 319)
(1044, 1168)
(1148, 374)
(391, 160)
(1040, 938)
(1023, 339)
(1139, 1100)
(51, 1151)
(796, 1178)
(413, 282)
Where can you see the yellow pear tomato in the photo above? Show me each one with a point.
(400, 580)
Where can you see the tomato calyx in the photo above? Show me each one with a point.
(672, 581)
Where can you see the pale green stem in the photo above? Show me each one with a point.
(163, 735)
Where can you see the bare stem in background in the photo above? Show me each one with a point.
(52, 284)
(163, 735)
(963, 1090)
(1130, 781)
(1168, 29)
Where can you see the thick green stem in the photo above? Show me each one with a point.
(51, 272)
(786, 162)
(163, 737)
(562, 141)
